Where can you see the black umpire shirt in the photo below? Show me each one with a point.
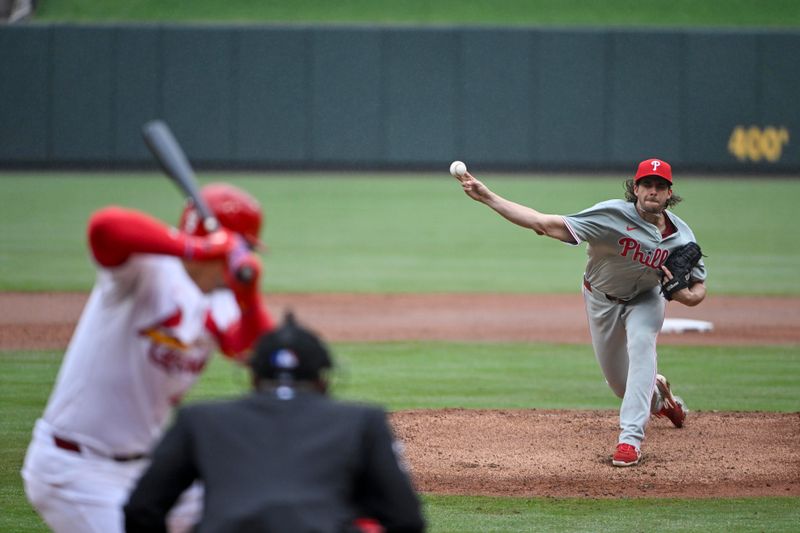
(308, 463)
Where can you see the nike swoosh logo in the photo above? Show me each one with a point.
(629, 228)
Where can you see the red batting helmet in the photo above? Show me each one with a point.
(234, 208)
(654, 167)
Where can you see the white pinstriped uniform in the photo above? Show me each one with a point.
(139, 345)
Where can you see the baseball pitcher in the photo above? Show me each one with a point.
(640, 256)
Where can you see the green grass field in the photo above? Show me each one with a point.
(418, 232)
(415, 375)
(778, 13)
(402, 232)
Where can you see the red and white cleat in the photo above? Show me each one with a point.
(626, 455)
(672, 407)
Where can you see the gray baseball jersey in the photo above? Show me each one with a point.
(626, 252)
(623, 301)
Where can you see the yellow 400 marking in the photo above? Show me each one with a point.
(755, 144)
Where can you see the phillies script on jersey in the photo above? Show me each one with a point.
(652, 258)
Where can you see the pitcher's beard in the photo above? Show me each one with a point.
(651, 208)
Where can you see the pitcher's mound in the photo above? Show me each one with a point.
(535, 453)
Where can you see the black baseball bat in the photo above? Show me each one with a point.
(169, 154)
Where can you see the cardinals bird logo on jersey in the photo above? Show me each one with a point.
(168, 351)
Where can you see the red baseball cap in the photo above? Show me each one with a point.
(654, 167)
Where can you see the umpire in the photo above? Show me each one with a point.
(284, 458)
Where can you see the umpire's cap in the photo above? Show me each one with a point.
(292, 352)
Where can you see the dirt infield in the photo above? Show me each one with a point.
(530, 452)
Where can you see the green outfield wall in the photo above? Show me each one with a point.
(391, 97)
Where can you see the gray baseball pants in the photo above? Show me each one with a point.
(624, 340)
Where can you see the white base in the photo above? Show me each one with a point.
(681, 325)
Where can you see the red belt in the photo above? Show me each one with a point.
(74, 447)
(608, 297)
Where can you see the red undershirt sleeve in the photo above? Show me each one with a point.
(237, 340)
(116, 233)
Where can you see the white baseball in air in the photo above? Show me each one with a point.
(458, 169)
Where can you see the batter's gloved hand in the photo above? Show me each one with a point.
(242, 271)
(680, 264)
(217, 245)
